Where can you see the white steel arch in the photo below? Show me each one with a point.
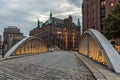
(94, 43)
(28, 45)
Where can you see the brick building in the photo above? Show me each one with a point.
(11, 32)
(63, 33)
(94, 12)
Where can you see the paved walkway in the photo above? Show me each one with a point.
(60, 65)
(100, 72)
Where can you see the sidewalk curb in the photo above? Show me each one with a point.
(13, 57)
(96, 73)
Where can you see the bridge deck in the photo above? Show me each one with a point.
(61, 65)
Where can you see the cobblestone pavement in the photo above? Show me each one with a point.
(61, 65)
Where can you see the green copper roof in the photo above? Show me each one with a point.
(49, 21)
(40, 24)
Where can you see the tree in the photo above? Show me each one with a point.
(112, 23)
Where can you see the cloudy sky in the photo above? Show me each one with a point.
(24, 13)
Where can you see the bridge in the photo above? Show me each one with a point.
(28, 45)
(96, 59)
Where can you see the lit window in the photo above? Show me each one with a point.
(111, 4)
(59, 32)
(103, 3)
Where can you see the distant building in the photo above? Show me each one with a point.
(13, 40)
(11, 32)
(63, 33)
(0, 38)
(0, 41)
(0, 44)
(94, 12)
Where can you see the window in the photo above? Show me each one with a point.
(103, 12)
(93, 6)
(11, 35)
(112, 4)
(8, 35)
(119, 1)
(87, 6)
(103, 3)
(93, 12)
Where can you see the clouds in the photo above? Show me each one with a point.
(75, 2)
(24, 13)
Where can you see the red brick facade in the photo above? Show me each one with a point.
(94, 12)
(63, 33)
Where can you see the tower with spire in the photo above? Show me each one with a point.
(79, 26)
(78, 23)
(50, 20)
(38, 24)
(50, 14)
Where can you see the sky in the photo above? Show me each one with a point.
(25, 13)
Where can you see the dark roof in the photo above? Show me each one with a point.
(58, 21)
